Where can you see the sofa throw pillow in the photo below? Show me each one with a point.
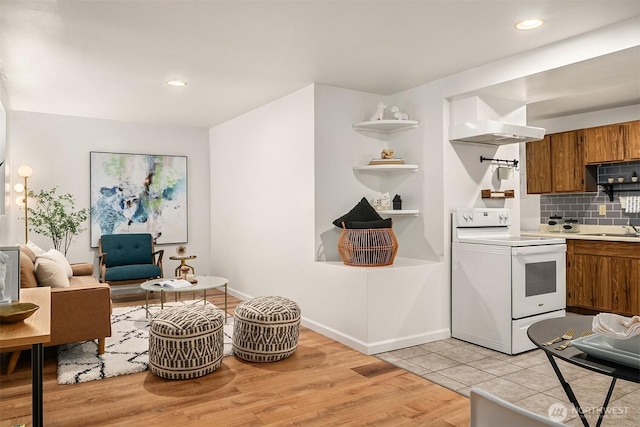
(50, 273)
(35, 248)
(363, 211)
(27, 272)
(383, 223)
(58, 258)
(26, 251)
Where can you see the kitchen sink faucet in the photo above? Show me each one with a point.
(637, 232)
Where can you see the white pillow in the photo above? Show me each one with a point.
(58, 258)
(35, 248)
(50, 273)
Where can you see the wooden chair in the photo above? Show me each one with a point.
(128, 258)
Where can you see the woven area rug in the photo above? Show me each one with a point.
(126, 351)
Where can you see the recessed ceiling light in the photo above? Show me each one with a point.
(529, 24)
(176, 83)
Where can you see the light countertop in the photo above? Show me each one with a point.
(586, 232)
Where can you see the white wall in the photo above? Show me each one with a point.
(262, 198)
(57, 148)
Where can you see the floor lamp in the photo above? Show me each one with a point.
(25, 172)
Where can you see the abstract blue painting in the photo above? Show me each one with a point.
(139, 193)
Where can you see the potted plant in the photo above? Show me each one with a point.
(634, 177)
(54, 216)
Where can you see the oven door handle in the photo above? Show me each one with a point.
(538, 249)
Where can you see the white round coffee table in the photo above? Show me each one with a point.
(203, 284)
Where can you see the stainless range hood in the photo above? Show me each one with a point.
(494, 133)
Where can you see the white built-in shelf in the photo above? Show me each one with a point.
(385, 126)
(386, 168)
(403, 212)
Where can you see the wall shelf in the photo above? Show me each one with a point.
(491, 194)
(385, 126)
(403, 212)
(609, 190)
(386, 168)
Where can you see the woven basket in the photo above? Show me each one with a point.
(370, 247)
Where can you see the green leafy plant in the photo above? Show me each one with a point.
(54, 216)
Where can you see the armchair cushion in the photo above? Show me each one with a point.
(132, 272)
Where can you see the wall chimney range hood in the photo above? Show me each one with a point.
(493, 132)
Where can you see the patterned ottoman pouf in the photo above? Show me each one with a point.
(266, 329)
(186, 342)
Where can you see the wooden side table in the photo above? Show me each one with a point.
(35, 330)
(183, 263)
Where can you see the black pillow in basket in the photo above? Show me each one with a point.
(361, 212)
(383, 223)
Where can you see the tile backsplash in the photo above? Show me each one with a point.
(585, 206)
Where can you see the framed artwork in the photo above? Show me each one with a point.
(9, 274)
(139, 193)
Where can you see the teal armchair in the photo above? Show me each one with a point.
(128, 258)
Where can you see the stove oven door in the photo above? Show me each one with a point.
(538, 279)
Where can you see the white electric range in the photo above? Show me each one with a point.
(502, 283)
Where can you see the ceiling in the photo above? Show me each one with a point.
(111, 59)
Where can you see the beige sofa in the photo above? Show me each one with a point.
(79, 312)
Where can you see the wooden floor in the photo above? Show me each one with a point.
(322, 383)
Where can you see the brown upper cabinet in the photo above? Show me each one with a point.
(612, 143)
(539, 166)
(604, 144)
(556, 165)
(566, 162)
(632, 148)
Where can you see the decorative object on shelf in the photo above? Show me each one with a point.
(379, 114)
(55, 217)
(610, 180)
(386, 154)
(397, 203)
(397, 161)
(25, 171)
(621, 179)
(398, 115)
(139, 193)
(634, 177)
(382, 201)
(505, 194)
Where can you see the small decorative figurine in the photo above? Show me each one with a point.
(399, 115)
(181, 250)
(386, 154)
(397, 203)
(379, 114)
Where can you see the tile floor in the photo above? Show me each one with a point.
(526, 379)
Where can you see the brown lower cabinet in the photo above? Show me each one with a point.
(603, 277)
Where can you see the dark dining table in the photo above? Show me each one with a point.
(546, 330)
